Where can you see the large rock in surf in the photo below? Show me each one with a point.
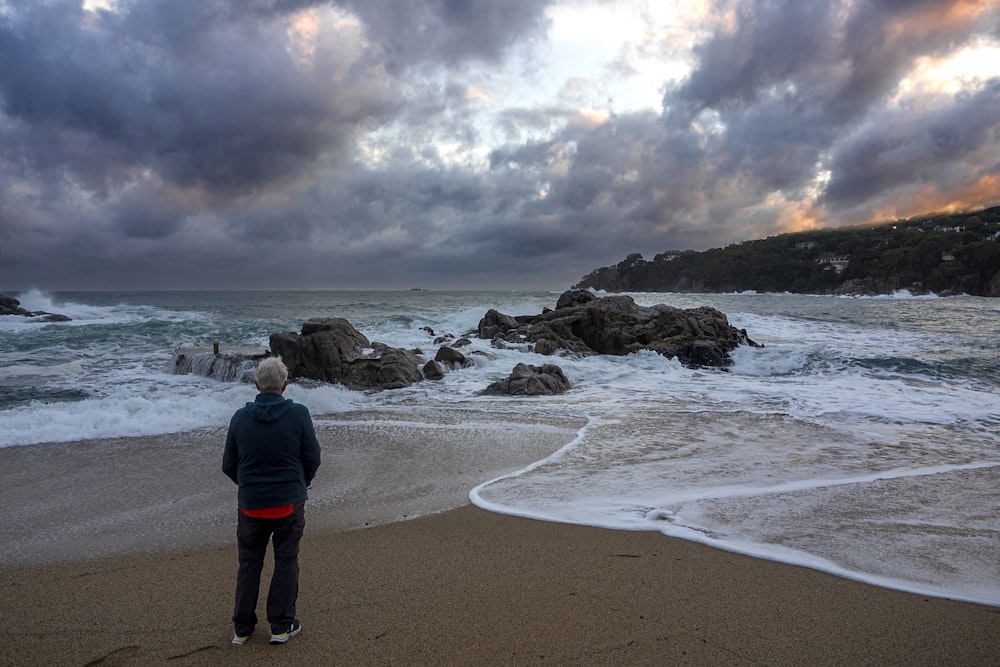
(585, 324)
(526, 380)
(384, 368)
(324, 350)
(332, 350)
(11, 306)
(451, 358)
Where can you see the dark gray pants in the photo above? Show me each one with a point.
(253, 536)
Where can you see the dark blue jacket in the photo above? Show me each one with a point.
(271, 452)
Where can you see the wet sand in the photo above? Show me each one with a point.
(67, 502)
(140, 567)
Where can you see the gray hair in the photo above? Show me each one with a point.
(271, 374)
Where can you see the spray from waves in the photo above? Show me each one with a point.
(85, 314)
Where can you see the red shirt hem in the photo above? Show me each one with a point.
(279, 512)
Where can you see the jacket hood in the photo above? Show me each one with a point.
(268, 407)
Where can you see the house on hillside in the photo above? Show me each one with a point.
(834, 262)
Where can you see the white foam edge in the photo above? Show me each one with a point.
(769, 552)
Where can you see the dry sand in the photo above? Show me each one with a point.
(468, 587)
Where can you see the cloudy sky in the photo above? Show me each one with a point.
(509, 144)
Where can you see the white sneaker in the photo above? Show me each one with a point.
(282, 637)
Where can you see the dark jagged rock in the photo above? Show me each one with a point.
(857, 287)
(526, 380)
(452, 358)
(385, 368)
(11, 306)
(324, 350)
(433, 370)
(446, 359)
(495, 323)
(575, 297)
(332, 350)
(584, 324)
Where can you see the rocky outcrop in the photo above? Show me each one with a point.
(526, 380)
(495, 323)
(433, 370)
(451, 358)
(994, 287)
(384, 368)
(584, 324)
(332, 350)
(324, 350)
(447, 359)
(11, 306)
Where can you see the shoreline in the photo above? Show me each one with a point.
(122, 552)
(468, 586)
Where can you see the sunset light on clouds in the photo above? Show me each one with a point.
(293, 143)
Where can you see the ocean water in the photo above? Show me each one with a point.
(861, 440)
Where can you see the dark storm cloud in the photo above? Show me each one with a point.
(205, 92)
(227, 109)
(795, 77)
(148, 214)
(845, 56)
(222, 144)
(898, 150)
(533, 154)
(447, 30)
(607, 189)
(794, 83)
(796, 89)
(774, 42)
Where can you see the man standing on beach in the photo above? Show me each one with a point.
(272, 454)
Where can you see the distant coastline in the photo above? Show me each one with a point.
(945, 254)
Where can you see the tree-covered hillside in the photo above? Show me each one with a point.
(944, 254)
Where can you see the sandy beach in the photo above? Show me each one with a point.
(469, 587)
(121, 552)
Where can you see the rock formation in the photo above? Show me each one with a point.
(433, 370)
(384, 368)
(11, 306)
(451, 358)
(332, 350)
(584, 324)
(526, 380)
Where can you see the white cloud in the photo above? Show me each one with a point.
(967, 68)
